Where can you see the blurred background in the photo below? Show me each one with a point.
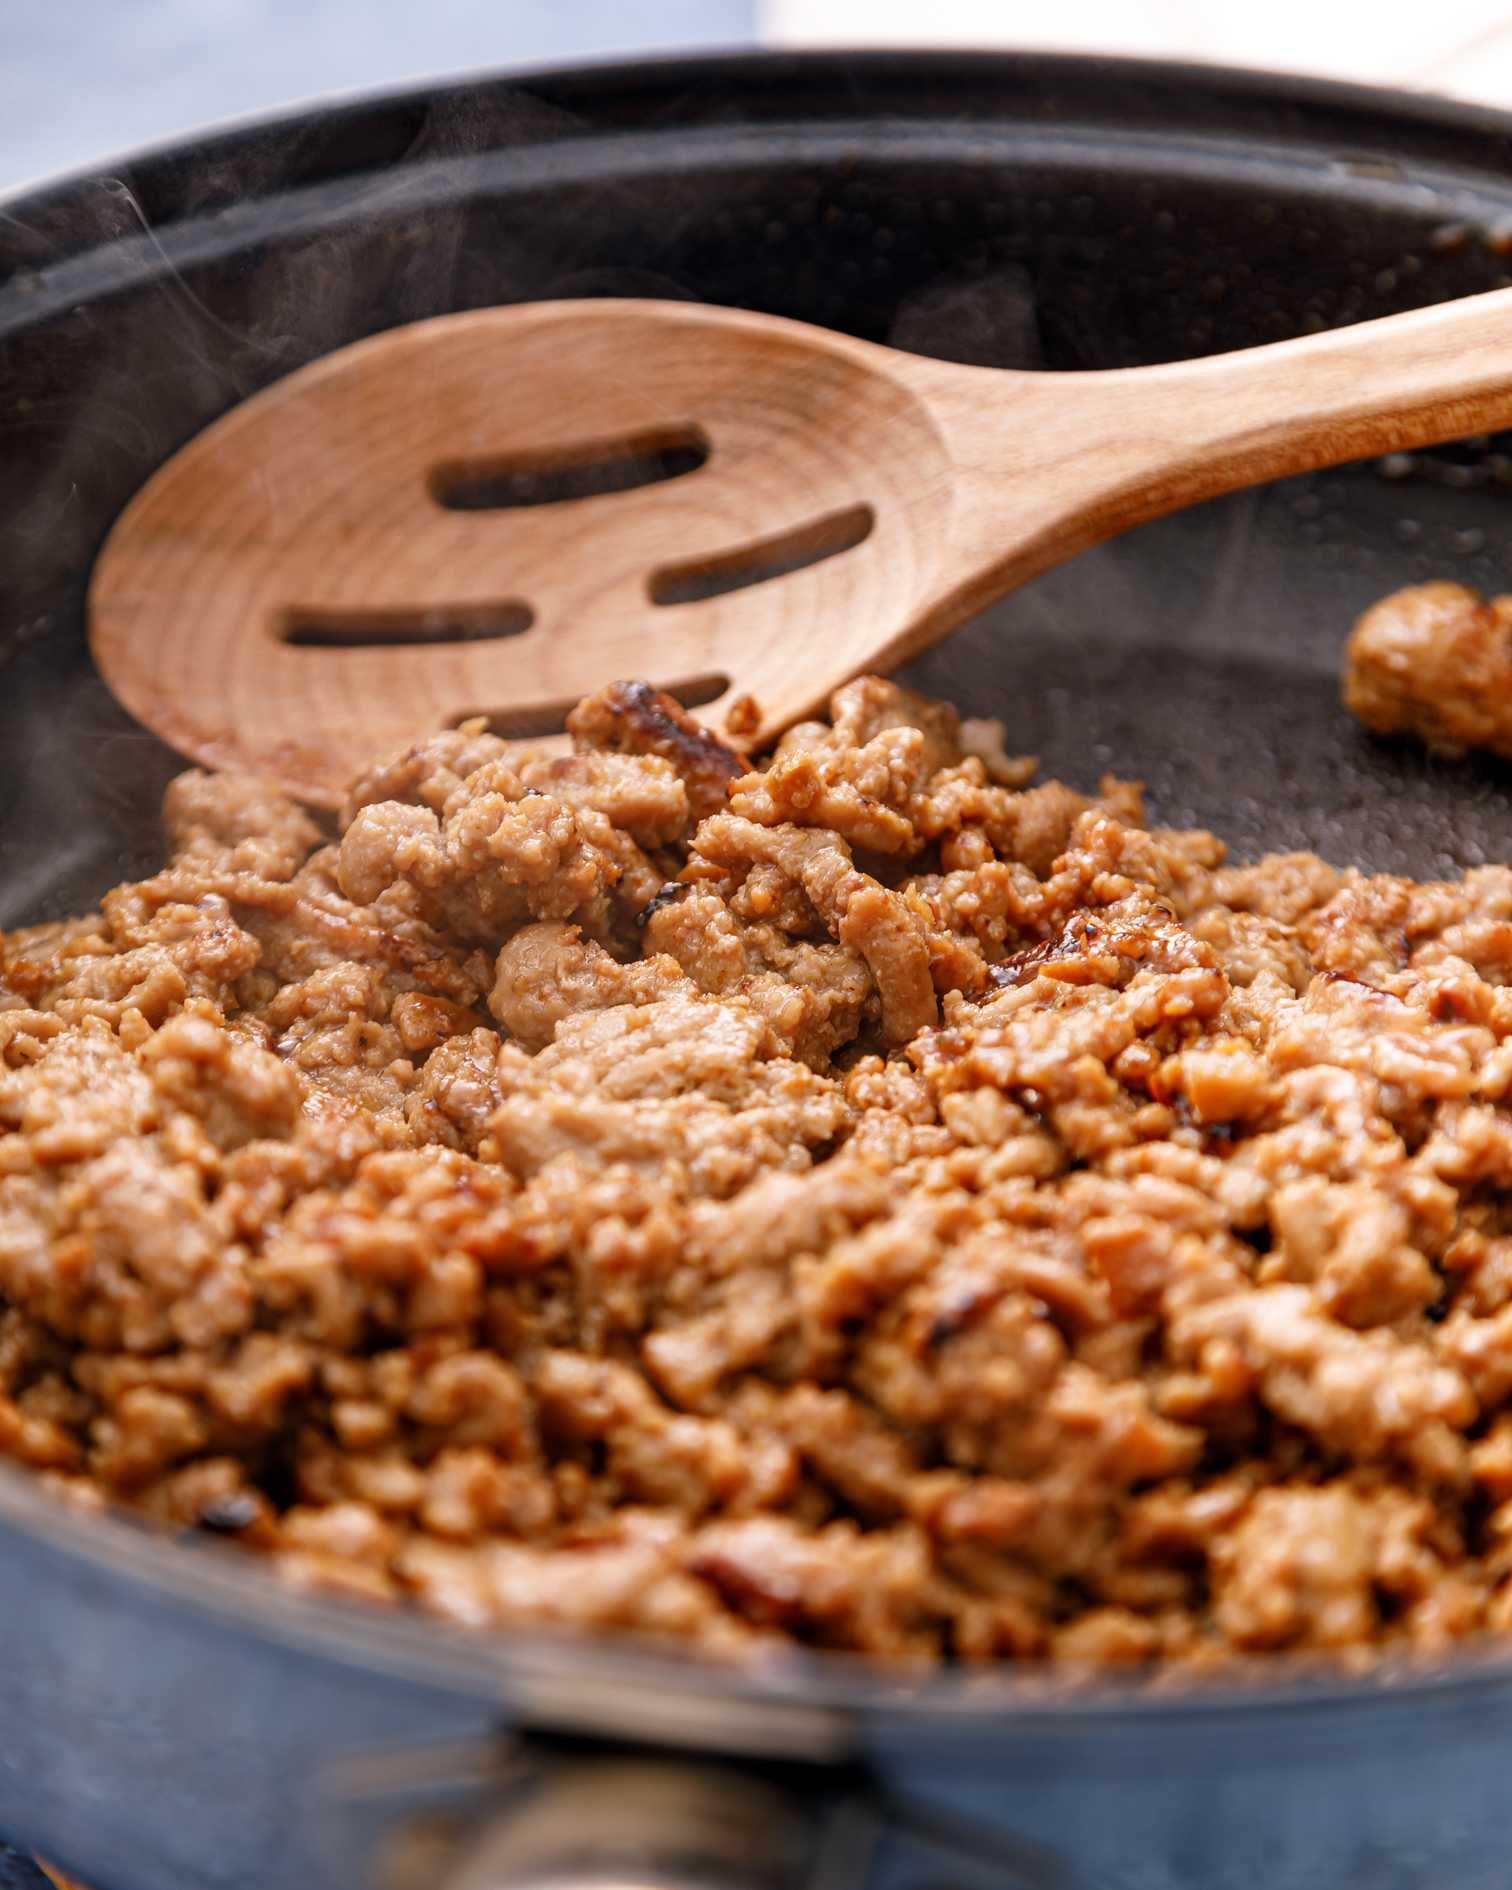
(81, 79)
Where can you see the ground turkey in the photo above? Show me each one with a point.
(858, 1197)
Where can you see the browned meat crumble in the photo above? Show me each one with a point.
(1435, 661)
(861, 1198)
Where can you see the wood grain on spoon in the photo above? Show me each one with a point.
(342, 562)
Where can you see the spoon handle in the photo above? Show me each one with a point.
(1090, 455)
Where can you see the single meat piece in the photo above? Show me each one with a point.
(812, 995)
(1297, 1570)
(857, 775)
(549, 972)
(840, 1587)
(1366, 1395)
(641, 795)
(862, 710)
(503, 854)
(1435, 661)
(629, 1579)
(861, 794)
(233, 823)
(684, 1079)
(1283, 887)
(632, 718)
(1352, 1241)
(426, 773)
(982, 736)
(860, 912)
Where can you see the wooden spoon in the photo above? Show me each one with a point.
(336, 566)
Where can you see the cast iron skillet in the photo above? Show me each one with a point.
(169, 1719)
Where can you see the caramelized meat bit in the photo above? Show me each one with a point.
(632, 718)
(1434, 661)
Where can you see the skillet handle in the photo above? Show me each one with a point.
(637, 1823)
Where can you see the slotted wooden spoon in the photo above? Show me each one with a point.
(338, 564)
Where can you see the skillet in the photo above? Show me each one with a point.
(170, 1719)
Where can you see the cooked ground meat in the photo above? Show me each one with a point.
(859, 1198)
(1435, 661)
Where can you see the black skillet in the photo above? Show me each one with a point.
(169, 1720)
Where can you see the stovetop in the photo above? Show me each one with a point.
(18, 1872)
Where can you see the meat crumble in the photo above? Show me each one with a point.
(1435, 661)
(861, 1198)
